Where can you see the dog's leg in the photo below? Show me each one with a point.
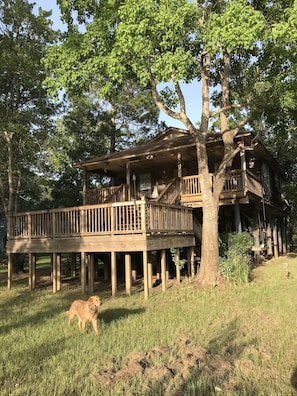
(95, 326)
(83, 324)
(70, 317)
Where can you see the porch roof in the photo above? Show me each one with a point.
(165, 147)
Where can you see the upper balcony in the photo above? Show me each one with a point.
(187, 190)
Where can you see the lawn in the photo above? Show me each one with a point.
(235, 340)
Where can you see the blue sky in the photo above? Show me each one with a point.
(192, 92)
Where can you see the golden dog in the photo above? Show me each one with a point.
(86, 311)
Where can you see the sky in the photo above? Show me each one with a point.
(191, 91)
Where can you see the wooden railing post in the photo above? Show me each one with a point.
(29, 225)
(112, 220)
(143, 225)
(82, 221)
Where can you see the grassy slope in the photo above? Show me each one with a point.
(242, 340)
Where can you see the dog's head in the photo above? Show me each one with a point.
(94, 303)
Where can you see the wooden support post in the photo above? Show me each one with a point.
(150, 270)
(73, 265)
(279, 235)
(158, 274)
(58, 271)
(106, 268)
(9, 271)
(134, 275)
(269, 238)
(32, 271)
(83, 272)
(284, 239)
(54, 271)
(238, 226)
(113, 274)
(145, 275)
(128, 274)
(275, 247)
(191, 262)
(163, 269)
(91, 272)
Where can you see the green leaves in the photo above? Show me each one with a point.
(238, 26)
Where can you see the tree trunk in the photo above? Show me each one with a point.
(209, 273)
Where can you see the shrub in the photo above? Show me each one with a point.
(235, 265)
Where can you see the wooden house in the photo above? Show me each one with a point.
(152, 203)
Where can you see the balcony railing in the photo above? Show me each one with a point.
(236, 181)
(107, 194)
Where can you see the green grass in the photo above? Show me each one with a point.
(187, 341)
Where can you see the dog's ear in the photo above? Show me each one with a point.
(95, 301)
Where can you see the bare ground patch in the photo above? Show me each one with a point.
(166, 367)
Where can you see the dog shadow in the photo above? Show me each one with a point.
(111, 315)
(294, 378)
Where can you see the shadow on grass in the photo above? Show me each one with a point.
(292, 254)
(111, 315)
(25, 359)
(294, 378)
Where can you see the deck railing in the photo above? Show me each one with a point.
(116, 218)
(107, 194)
(236, 181)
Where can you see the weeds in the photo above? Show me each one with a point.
(236, 263)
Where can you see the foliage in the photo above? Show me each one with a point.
(176, 259)
(25, 107)
(235, 265)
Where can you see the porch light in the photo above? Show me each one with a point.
(252, 162)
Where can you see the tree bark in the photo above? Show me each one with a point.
(209, 267)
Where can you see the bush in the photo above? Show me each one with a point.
(235, 265)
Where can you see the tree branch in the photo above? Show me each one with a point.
(180, 116)
(182, 104)
(225, 108)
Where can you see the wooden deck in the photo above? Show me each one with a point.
(122, 227)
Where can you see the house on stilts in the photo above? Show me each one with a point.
(150, 204)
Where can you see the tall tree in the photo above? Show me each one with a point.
(220, 43)
(25, 107)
